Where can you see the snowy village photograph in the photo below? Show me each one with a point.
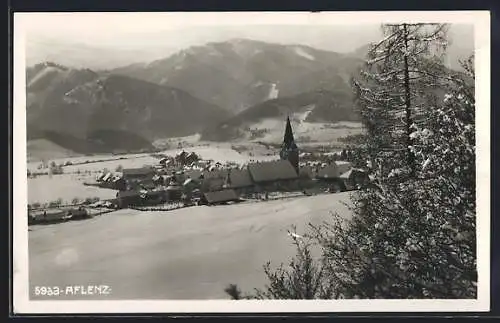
(173, 158)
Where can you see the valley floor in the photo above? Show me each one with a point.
(190, 253)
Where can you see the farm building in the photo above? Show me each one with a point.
(166, 161)
(328, 172)
(355, 178)
(329, 177)
(154, 196)
(191, 158)
(174, 192)
(240, 180)
(138, 174)
(128, 198)
(274, 175)
(333, 170)
(220, 197)
(190, 185)
(185, 158)
(215, 180)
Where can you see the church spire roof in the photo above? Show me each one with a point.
(288, 139)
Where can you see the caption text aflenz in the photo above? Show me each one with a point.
(72, 290)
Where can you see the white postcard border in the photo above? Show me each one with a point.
(481, 21)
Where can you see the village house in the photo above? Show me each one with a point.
(241, 181)
(328, 177)
(138, 175)
(125, 199)
(174, 192)
(214, 180)
(185, 158)
(220, 197)
(355, 178)
(278, 175)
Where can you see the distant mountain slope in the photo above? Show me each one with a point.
(241, 73)
(46, 82)
(311, 107)
(82, 111)
(78, 54)
(44, 149)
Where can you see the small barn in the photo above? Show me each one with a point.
(154, 196)
(328, 172)
(220, 197)
(355, 178)
(127, 198)
(278, 175)
(166, 161)
(191, 158)
(189, 186)
(342, 166)
(329, 179)
(174, 192)
(138, 174)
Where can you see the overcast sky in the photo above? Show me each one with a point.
(178, 30)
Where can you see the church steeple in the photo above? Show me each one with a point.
(289, 150)
(288, 138)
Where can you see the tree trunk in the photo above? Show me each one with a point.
(409, 141)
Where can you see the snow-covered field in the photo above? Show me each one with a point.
(306, 132)
(189, 253)
(225, 152)
(34, 163)
(44, 189)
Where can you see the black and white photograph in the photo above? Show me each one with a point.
(231, 161)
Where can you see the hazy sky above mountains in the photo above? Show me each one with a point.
(158, 35)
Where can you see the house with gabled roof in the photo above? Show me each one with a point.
(240, 180)
(220, 197)
(215, 180)
(273, 175)
(138, 173)
(355, 178)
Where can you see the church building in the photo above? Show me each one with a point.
(289, 150)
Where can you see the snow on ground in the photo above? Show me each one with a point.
(111, 165)
(39, 149)
(191, 140)
(33, 164)
(46, 72)
(219, 152)
(304, 132)
(189, 253)
(273, 92)
(301, 52)
(44, 189)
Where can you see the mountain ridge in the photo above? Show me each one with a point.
(100, 108)
(241, 73)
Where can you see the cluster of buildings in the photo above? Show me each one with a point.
(189, 179)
